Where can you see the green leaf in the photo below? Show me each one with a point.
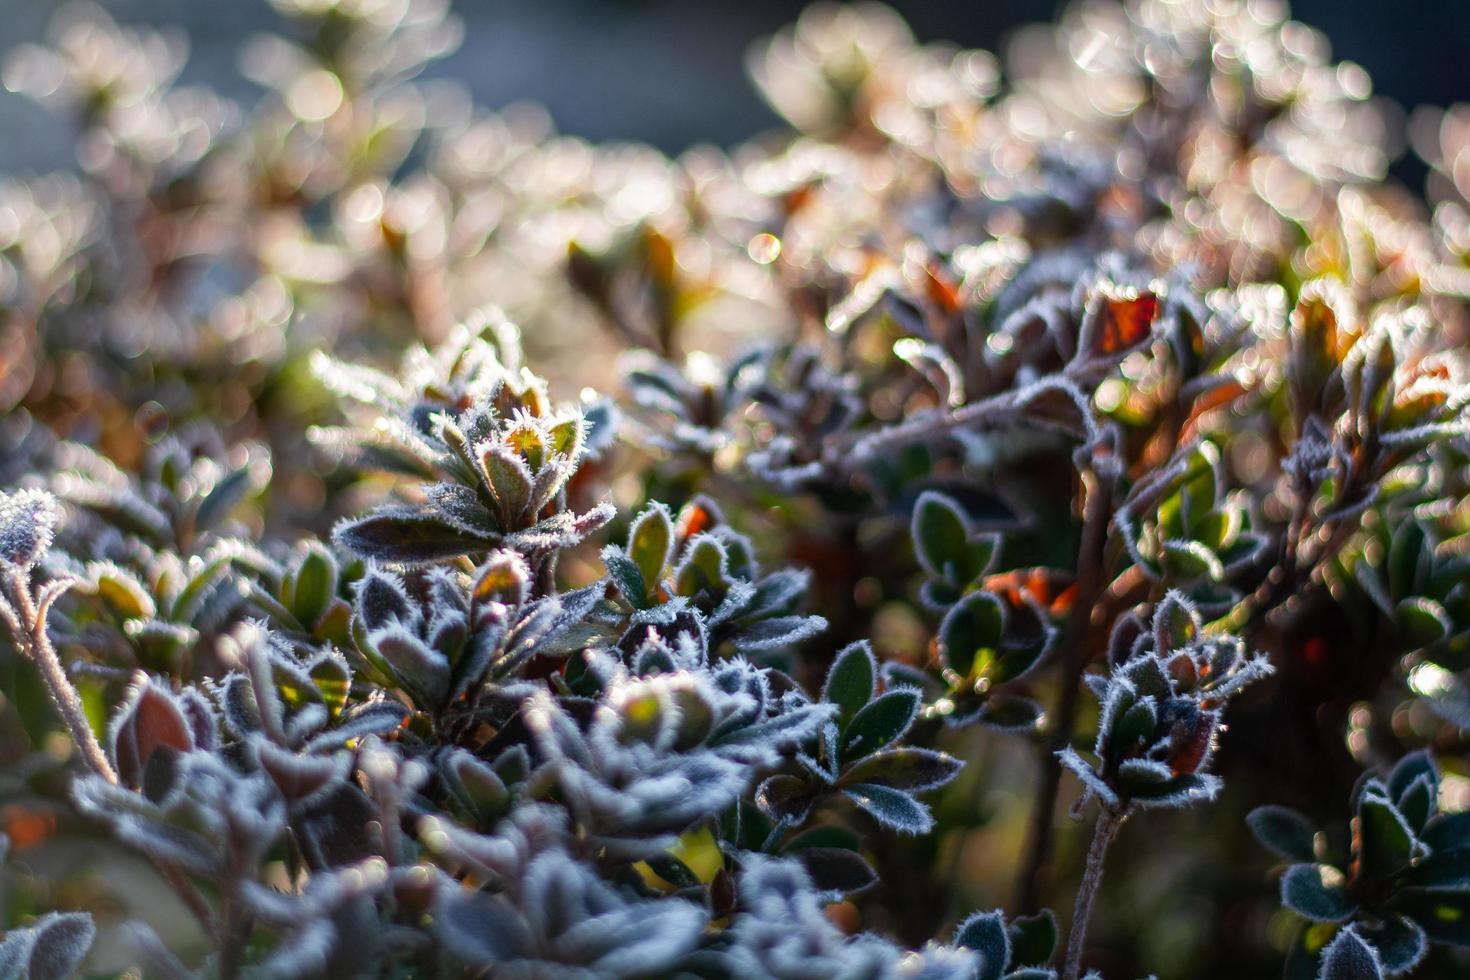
(504, 578)
(940, 531)
(1188, 561)
(1133, 728)
(970, 636)
(703, 569)
(651, 543)
(1176, 624)
(332, 679)
(912, 769)
(674, 871)
(314, 585)
(1033, 938)
(1409, 770)
(1422, 621)
(850, 682)
(784, 798)
(1386, 844)
(123, 593)
(879, 723)
(508, 479)
(1283, 831)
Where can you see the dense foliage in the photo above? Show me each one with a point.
(346, 630)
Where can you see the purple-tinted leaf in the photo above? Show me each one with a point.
(148, 720)
(51, 949)
(408, 536)
(786, 799)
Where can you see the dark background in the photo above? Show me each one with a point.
(671, 72)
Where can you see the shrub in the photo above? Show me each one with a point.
(1134, 373)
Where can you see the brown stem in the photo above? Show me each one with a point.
(1104, 833)
(1076, 647)
(37, 644)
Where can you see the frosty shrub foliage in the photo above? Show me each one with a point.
(1083, 431)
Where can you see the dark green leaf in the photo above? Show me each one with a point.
(1317, 892)
(879, 723)
(892, 808)
(314, 585)
(985, 933)
(970, 636)
(222, 498)
(1283, 831)
(1033, 938)
(1386, 844)
(850, 682)
(835, 869)
(911, 769)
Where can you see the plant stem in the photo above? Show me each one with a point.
(1104, 833)
(63, 693)
(1097, 513)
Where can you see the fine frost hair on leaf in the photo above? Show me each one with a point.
(28, 520)
(51, 949)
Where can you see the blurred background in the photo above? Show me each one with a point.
(671, 72)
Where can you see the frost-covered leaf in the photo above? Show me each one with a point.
(28, 520)
(148, 721)
(850, 681)
(1348, 957)
(1283, 831)
(1317, 892)
(401, 534)
(881, 721)
(911, 769)
(892, 808)
(51, 949)
(985, 932)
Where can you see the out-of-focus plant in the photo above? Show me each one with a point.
(1404, 884)
(1119, 366)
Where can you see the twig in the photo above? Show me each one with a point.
(37, 644)
(1109, 821)
(1076, 647)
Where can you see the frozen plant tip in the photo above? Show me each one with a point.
(1162, 700)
